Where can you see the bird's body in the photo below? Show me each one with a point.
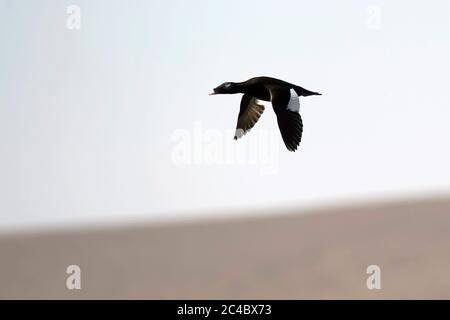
(285, 102)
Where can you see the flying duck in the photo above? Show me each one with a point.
(285, 102)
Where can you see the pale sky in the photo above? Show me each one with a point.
(92, 120)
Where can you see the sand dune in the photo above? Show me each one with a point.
(322, 255)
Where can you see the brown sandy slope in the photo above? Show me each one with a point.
(322, 255)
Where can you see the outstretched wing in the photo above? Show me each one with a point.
(286, 105)
(249, 114)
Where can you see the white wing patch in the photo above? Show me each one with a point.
(294, 102)
(260, 102)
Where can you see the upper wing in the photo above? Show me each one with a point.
(249, 114)
(286, 105)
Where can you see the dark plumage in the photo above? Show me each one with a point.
(285, 102)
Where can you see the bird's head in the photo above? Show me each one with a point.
(225, 88)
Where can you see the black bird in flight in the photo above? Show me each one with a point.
(285, 102)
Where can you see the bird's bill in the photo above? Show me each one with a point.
(211, 94)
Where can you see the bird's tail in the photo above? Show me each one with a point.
(303, 92)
